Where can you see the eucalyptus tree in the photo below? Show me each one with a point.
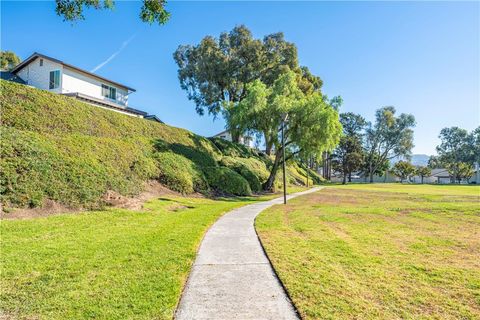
(311, 125)
(72, 10)
(387, 138)
(215, 72)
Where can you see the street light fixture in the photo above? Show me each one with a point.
(284, 120)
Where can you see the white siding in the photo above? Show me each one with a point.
(39, 76)
(74, 81)
(245, 140)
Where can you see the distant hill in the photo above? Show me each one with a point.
(417, 159)
(420, 159)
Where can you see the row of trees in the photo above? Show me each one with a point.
(458, 152)
(404, 170)
(368, 147)
(257, 85)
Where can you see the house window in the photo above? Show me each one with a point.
(54, 79)
(41, 62)
(109, 92)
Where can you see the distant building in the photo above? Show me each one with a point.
(245, 140)
(46, 73)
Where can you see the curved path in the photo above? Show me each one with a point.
(231, 277)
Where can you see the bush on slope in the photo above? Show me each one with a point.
(55, 147)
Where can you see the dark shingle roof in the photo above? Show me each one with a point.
(7, 75)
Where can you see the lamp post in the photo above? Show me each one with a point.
(284, 119)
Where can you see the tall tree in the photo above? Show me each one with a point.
(8, 60)
(387, 138)
(215, 73)
(72, 10)
(434, 162)
(311, 126)
(348, 156)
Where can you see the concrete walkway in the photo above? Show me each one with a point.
(231, 277)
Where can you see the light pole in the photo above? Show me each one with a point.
(284, 119)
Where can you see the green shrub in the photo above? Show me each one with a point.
(56, 147)
(180, 174)
(75, 170)
(253, 170)
(226, 180)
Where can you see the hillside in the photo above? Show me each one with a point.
(54, 147)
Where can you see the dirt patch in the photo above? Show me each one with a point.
(5, 316)
(48, 208)
(153, 189)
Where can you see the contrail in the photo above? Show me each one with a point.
(123, 46)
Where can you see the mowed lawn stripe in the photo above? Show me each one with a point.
(379, 251)
(112, 264)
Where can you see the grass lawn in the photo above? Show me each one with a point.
(381, 251)
(113, 264)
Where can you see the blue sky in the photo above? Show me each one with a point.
(421, 57)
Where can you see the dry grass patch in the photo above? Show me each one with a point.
(379, 251)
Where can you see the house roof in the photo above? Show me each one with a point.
(220, 133)
(440, 173)
(153, 118)
(7, 75)
(105, 103)
(36, 55)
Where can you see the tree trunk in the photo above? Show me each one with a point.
(370, 172)
(344, 179)
(422, 179)
(349, 177)
(268, 185)
(235, 135)
(268, 144)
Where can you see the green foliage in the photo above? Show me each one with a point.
(8, 60)
(389, 137)
(349, 156)
(403, 169)
(460, 171)
(226, 180)
(234, 149)
(55, 147)
(423, 172)
(215, 72)
(72, 10)
(312, 126)
(458, 151)
(180, 174)
(73, 169)
(253, 170)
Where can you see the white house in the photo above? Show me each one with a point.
(56, 76)
(245, 140)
